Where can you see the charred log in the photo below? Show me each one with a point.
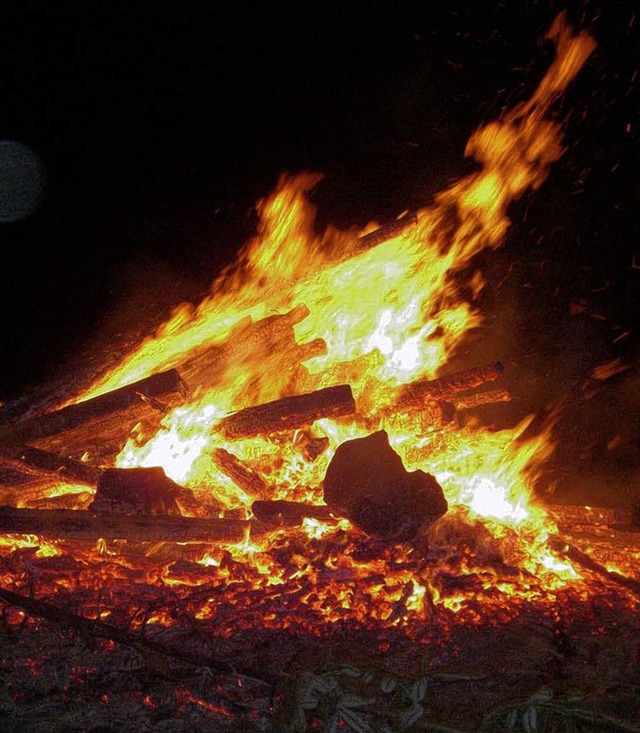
(142, 491)
(124, 405)
(289, 413)
(246, 479)
(367, 482)
(290, 513)
(91, 526)
(430, 416)
(37, 462)
(443, 388)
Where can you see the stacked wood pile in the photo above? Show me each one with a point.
(78, 445)
(51, 447)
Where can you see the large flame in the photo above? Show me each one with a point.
(389, 315)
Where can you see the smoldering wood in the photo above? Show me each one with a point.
(90, 526)
(443, 388)
(246, 479)
(477, 399)
(284, 513)
(121, 406)
(289, 413)
(38, 462)
(367, 483)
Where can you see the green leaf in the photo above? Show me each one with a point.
(412, 715)
(354, 701)
(349, 670)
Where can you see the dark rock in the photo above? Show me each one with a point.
(367, 482)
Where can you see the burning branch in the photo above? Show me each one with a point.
(154, 651)
(588, 563)
(386, 232)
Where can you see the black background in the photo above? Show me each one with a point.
(160, 125)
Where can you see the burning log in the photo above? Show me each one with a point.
(302, 352)
(142, 491)
(367, 482)
(246, 479)
(272, 334)
(126, 404)
(290, 513)
(289, 413)
(39, 462)
(443, 388)
(588, 563)
(90, 526)
(576, 516)
(468, 402)
(431, 415)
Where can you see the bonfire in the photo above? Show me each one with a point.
(283, 508)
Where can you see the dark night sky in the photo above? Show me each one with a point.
(160, 125)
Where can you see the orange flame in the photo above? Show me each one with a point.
(389, 315)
